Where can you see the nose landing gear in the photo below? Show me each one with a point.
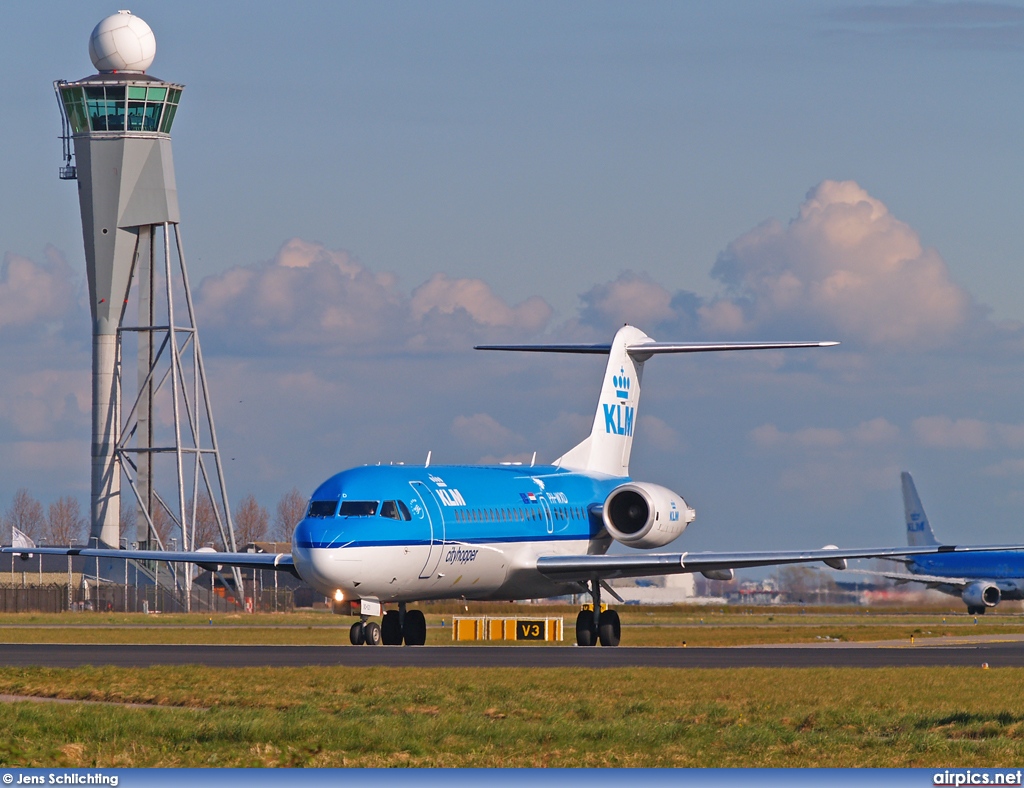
(397, 626)
(365, 633)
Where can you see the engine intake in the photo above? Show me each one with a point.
(981, 595)
(645, 515)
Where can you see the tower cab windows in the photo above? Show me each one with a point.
(100, 107)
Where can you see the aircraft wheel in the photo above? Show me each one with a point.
(609, 629)
(371, 633)
(586, 632)
(415, 630)
(391, 629)
(355, 634)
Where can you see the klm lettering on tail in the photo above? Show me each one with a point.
(618, 419)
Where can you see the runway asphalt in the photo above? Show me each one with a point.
(995, 654)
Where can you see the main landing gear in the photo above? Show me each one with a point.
(596, 625)
(397, 626)
(978, 610)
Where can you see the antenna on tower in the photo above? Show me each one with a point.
(68, 171)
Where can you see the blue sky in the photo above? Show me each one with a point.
(367, 190)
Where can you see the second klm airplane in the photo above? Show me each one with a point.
(981, 580)
(380, 537)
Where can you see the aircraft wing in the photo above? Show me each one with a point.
(280, 562)
(604, 567)
(929, 580)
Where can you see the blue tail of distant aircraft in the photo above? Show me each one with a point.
(919, 532)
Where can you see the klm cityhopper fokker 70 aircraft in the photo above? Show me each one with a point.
(980, 579)
(380, 537)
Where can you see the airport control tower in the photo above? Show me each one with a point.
(151, 421)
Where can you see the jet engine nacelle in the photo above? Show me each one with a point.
(645, 515)
(209, 567)
(981, 595)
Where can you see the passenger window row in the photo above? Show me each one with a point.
(397, 510)
(519, 514)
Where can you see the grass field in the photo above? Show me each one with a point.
(516, 717)
(197, 716)
(641, 626)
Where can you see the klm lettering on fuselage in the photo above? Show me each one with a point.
(618, 419)
(449, 495)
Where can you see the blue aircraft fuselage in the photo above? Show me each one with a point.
(400, 533)
(994, 565)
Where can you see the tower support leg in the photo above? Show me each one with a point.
(105, 497)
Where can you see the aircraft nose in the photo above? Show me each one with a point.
(302, 535)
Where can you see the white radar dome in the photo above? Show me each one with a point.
(122, 42)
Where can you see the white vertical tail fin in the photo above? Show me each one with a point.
(919, 531)
(607, 448)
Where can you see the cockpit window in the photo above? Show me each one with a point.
(322, 508)
(358, 508)
(396, 510)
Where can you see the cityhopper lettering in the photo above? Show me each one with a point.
(457, 555)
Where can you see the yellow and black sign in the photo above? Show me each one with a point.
(512, 628)
(531, 629)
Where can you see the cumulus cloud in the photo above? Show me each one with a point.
(474, 297)
(658, 433)
(315, 298)
(845, 268)
(1005, 468)
(631, 298)
(35, 293)
(484, 431)
(45, 402)
(844, 264)
(873, 432)
(65, 457)
(943, 432)
(832, 466)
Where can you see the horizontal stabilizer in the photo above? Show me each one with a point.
(607, 449)
(646, 349)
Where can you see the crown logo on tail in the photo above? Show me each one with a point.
(621, 383)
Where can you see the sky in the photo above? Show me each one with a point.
(367, 190)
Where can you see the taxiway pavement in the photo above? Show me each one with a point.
(995, 654)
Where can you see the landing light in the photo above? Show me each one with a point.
(338, 596)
